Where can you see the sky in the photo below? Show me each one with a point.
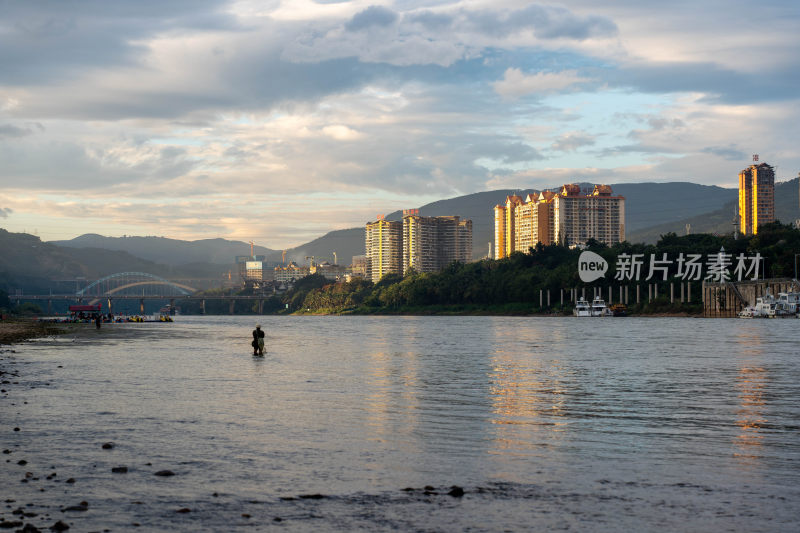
(278, 121)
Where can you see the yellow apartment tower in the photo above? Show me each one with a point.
(756, 197)
(384, 248)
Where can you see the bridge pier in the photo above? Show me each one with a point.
(110, 308)
(141, 306)
(233, 303)
(261, 307)
(203, 306)
(49, 307)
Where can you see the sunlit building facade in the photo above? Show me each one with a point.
(432, 243)
(579, 217)
(566, 216)
(384, 248)
(756, 197)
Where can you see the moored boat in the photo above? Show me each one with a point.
(582, 308)
(599, 306)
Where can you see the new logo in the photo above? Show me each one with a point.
(591, 266)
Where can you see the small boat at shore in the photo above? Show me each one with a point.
(599, 307)
(582, 308)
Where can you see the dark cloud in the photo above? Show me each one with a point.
(718, 83)
(44, 41)
(430, 20)
(731, 153)
(5, 211)
(546, 22)
(11, 131)
(372, 16)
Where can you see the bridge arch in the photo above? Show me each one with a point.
(133, 279)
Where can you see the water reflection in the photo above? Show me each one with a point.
(751, 383)
(528, 398)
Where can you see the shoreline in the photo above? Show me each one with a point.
(21, 329)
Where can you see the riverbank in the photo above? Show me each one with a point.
(21, 329)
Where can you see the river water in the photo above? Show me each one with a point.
(630, 424)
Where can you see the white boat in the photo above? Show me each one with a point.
(582, 308)
(787, 304)
(765, 306)
(599, 307)
(747, 312)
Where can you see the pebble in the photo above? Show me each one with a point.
(120, 469)
(59, 526)
(184, 510)
(108, 445)
(456, 491)
(22, 462)
(165, 473)
(70, 480)
(83, 506)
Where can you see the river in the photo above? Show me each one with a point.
(367, 423)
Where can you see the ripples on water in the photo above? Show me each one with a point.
(601, 425)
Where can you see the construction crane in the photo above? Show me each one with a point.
(252, 254)
(283, 256)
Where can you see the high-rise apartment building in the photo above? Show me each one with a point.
(432, 243)
(598, 215)
(566, 216)
(756, 197)
(384, 248)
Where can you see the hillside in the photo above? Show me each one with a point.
(720, 221)
(28, 263)
(172, 251)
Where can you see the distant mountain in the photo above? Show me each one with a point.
(30, 264)
(787, 210)
(172, 251)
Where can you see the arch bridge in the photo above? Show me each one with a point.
(134, 284)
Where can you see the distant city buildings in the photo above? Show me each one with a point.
(567, 216)
(756, 197)
(290, 273)
(422, 244)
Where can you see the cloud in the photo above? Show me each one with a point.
(341, 132)
(5, 211)
(515, 84)
(371, 17)
(11, 131)
(730, 153)
(570, 142)
(545, 22)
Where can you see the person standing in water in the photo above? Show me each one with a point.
(258, 341)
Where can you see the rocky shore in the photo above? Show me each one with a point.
(12, 331)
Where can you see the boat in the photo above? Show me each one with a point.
(765, 306)
(618, 310)
(582, 308)
(599, 307)
(787, 304)
(747, 312)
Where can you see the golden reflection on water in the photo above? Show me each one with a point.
(751, 382)
(528, 396)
